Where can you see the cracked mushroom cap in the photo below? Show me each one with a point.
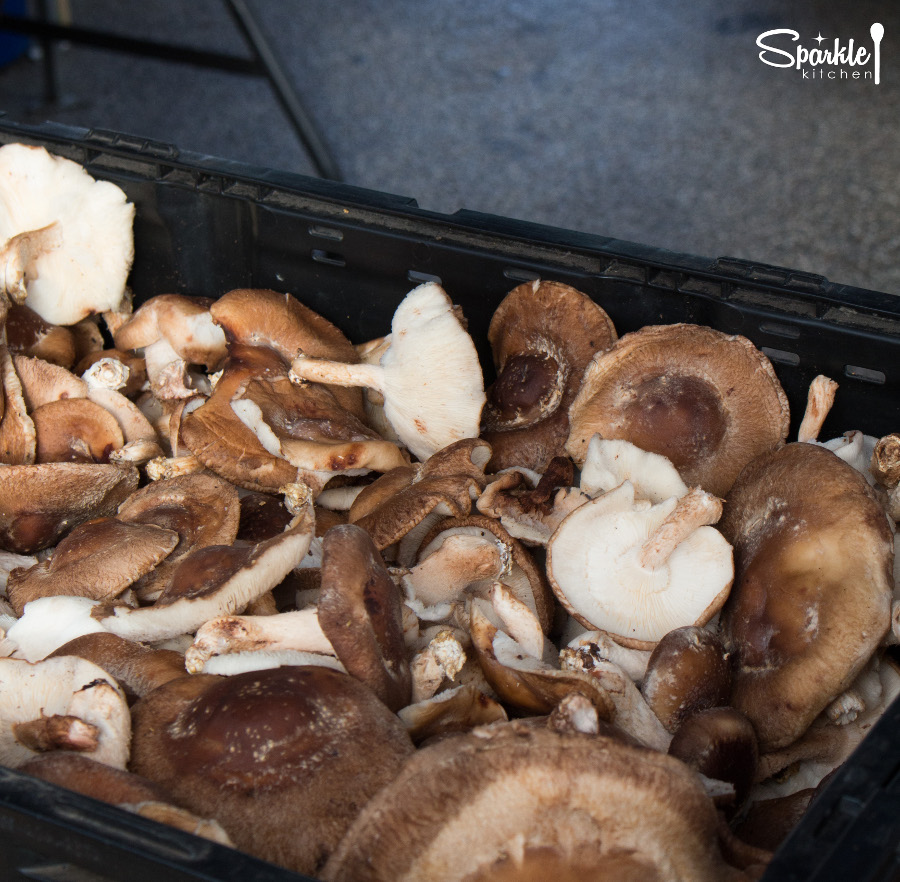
(813, 583)
(86, 266)
(63, 703)
(708, 401)
(641, 570)
(542, 337)
(98, 559)
(513, 802)
(303, 748)
(430, 375)
(40, 503)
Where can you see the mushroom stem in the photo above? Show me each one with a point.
(696, 508)
(296, 630)
(337, 373)
(818, 403)
(57, 732)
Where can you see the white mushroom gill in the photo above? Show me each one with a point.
(599, 568)
(430, 375)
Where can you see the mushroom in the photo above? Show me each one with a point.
(39, 503)
(404, 503)
(688, 671)
(799, 636)
(17, 430)
(214, 580)
(98, 559)
(359, 611)
(294, 630)
(532, 513)
(430, 375)
(201, 508)
(639, 571)
(137, 668)
(64, 703)
(454, 710)
(217, 436)
(75, 430)
(80, 265)
(542, 335)
(515, 802)
(708, 401)
(28, 334)
(609, 462)
(280, 744)
(263, 318)
(526, 683)
(120, 788)
(173, 331)
(43, 381)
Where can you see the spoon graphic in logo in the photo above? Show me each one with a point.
(877, 33)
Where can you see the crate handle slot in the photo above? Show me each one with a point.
(330, 257)
(422, 278)
(867, 375)
(781, 356)
(323, 232)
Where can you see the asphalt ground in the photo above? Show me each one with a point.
(655, 122)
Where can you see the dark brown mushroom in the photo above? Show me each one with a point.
(359, 610)
(303, 748)
(542, 337)
(813, 581)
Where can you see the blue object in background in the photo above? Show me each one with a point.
(12, 46)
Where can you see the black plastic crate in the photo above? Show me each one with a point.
(205, 225)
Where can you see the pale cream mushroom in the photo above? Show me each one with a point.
(609, 462)
(64, 703)
(430, 375)
(69, 242)
(18, 435)
(636, 571)
(173, 332)
(50, 622)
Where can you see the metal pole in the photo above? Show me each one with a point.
(322, 159)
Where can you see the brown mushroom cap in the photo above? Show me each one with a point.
(467, 807)
(542, 336)
(27, 333)
(813, 582)
(259, 317)
(98, 559)
(708, 401)
(75, 430)
(687, 671)
(216, 436)
(201, 508)
(137, 668)
(359, 610)
(283, 758)
(39, 503)
(43, 381)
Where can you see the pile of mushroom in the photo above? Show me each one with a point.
(593, 609)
